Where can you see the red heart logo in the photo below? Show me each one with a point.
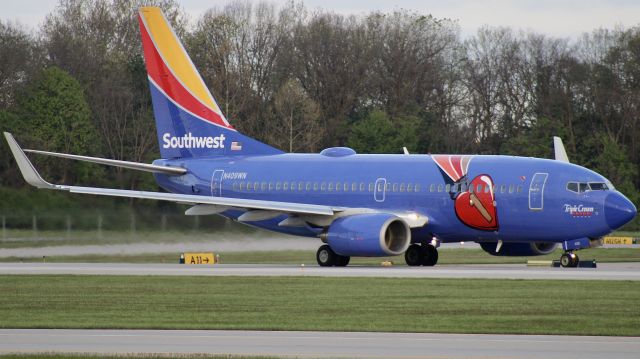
(476, 207)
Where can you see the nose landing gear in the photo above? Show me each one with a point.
(569, 260)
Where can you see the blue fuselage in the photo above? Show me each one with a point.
(531, 198)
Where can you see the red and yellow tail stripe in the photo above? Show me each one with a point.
(170, 69)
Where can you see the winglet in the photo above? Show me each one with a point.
(558, 147)
(26, 168)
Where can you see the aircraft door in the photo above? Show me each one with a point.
(536, 191)
(216, 183)
(380, 189)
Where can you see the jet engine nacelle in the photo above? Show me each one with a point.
(519, 249)
(369, 235)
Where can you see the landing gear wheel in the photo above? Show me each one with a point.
(429, 255)
(569, 260)
(342, 261)
(413, 255)
(326, 257)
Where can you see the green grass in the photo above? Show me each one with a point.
(126, 356)
(21, 238)
(326, 304)
(446, 256)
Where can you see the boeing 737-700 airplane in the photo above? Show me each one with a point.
(357, 204)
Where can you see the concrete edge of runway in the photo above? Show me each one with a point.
(316, 344)
(605, 271)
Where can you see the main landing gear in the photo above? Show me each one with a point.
(569, 260)
(326, 257)
(421, 255)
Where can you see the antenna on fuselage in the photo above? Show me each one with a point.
(558, 147)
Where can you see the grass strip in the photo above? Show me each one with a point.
(325, 304)
(125, 356)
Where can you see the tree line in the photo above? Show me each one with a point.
(302, 80)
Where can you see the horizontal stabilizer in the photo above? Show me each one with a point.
(176, 171)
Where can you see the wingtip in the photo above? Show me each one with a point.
(27, 169)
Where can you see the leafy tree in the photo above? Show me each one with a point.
(55, 116)
(613, 163)
(297, 123)
(376, 133)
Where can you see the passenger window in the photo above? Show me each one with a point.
(285, 186)
(463, 187)
(479, 189)
(432, 188)
(471, 189)
(263, 186)
(293, 186)
(519, 189)
(447, 188)
(410, 187)
(235, 186)
(323, 186)
(256, 185)
(300, 186)
(503, 188)
(242, 186)
(370, 187)
(440, 187)
(486, 189)
(277, 186)
(361, 186)
(417, 188)
(402, 187)
(308, 186)
(387, 187)
(315, 186)
(380, 187)
(511, 188)
(270, 186)
(354, 187)
(395, 187)
(346, 187)
(454, 189)
(330, 186)
(338, 186)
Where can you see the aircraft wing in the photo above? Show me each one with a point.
(32, 177)
(202, 205)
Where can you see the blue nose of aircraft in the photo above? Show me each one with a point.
(618, 210)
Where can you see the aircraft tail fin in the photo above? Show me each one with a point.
(189, 122)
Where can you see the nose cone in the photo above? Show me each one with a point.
(618, 210)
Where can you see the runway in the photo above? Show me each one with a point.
(318, 344)
(605, 271)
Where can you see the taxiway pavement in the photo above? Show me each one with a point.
(605, 271)
(318, 344)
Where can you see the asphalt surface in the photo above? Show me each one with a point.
(318, 344)
(605, 271)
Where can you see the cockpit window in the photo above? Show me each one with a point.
(580, 187)
(598, 186)
(584, 187)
